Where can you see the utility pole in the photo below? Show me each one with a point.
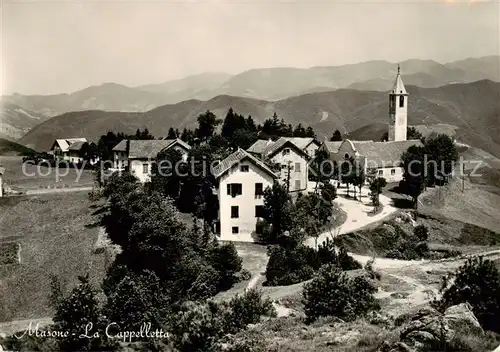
(463, 178)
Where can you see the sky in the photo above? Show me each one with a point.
(61, 46)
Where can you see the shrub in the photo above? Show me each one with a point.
(332, 293)
(199, 327)
(226, 261)
(374, 275)
(290, 265)
(421, 233)
(477, 282)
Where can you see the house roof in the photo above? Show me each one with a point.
(398, 87)
(76, 145)
(383, 154)
(121, 147)
(302, 142)
(144, 149)
(65, 143)
(332, 147)
(267, 147)
(237, 157)
(259, 146)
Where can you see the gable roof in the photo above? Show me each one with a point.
(332, 147)
(237, 157)
(384, 154)
(302, 142)
(144, 149)
(65, 143)
(259, 146)
(121, 147)
(281, 143)
(76, 145)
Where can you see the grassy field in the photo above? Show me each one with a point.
(28, 177)
(56, 237)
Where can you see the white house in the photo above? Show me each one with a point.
(379, 159)
(291, 160)
(120, 155)
(68, 149)
(142, 154)
(242, 179)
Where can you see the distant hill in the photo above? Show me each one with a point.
(16, 121)
(264, 83)
(12, 148)
(473, 108)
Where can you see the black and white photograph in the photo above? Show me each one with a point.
(250, 176)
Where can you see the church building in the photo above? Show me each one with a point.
(381, 159)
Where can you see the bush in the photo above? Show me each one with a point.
(292, 264)
(287, 266)
(332, 293)
(226, 261)
(199, 327)
(477, 282)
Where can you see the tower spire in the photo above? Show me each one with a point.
(398, 69)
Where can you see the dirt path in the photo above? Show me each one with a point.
(357, 215)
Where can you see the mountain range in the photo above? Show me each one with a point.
(472, 108)
(265, 84)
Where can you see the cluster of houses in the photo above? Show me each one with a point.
(244, 175)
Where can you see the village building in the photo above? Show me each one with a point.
(241, 181)
(380, 159)
(68, 149)
(142, 154)
(289, 157)
(120, 155)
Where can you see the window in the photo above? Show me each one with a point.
(401, 101)
(259, 189)
(380, 172)
(346, 156)
(244, 168)
(235, 212)
(393, 171)
(286, 151)
(259, 211)
(392, 102)
(297, 184)
(145, 168)
(235, 229)
(234, 189)
(297, 167)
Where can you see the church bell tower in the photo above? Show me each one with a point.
(398, 110)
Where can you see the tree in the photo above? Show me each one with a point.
(441, 155)
(413, 133)
(376, 186)
(172, 134)
(333, 293)
(478, 283)
(75, 314)
(310, 132)
(167, 173)
(347, 172)
(336, 137)
(207, 123)
(299, 131)
(414, 178)
(277, 210)
(358, 177)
